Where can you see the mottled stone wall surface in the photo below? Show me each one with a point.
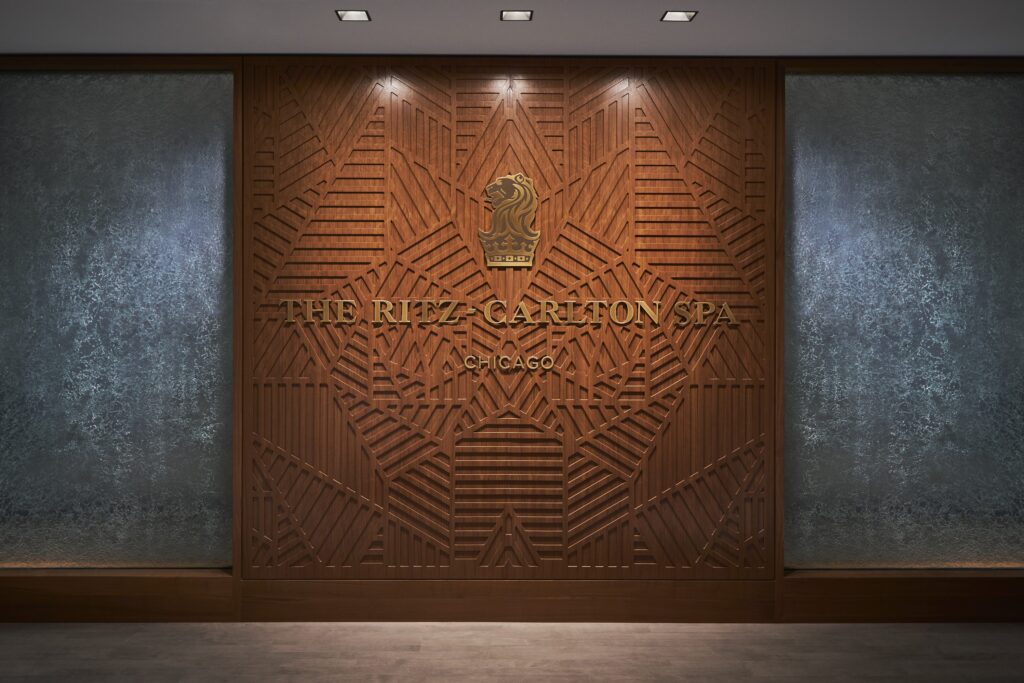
(115, 301)
(904, 321)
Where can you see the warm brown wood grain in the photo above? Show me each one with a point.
(372, 453)
(901, 595)
(507, 600)
(776, 322)
(117, 595)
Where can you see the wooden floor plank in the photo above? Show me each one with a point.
(512, 652)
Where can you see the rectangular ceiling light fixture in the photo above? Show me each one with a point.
(517, 15)
(352, 15)
(678, 16)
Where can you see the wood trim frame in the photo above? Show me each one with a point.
(792, 596)
(776, 272)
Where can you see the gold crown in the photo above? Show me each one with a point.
(511, 241)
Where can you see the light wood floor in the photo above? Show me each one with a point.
(511, 652)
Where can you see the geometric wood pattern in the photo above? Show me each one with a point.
(372, 452)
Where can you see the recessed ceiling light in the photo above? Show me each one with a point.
(517, 15)
(352, 15)
(678, 16)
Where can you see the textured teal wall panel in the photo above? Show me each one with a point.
(904, 321)
(115, 297)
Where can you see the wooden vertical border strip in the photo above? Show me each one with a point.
(240, 310)
(777, 275)
(242, 500)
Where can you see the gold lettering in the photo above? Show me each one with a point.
(447, 308)
(473, 362)
(703, 308)
(549, 309)
(654, 314)
(403, 307)
(345, 311)
(521, 313)
(324, 311)
(682, 310)
(595, 311)
(290, 305)
(489, 312)
(425, 305)
(382, 311)
(621, 320)
(570, 309)
(727, 312)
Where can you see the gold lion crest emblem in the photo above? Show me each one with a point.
(511, 241)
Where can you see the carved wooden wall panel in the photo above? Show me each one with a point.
(372, 452)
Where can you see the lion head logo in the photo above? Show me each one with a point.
(511, 241)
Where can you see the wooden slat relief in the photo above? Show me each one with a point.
(373, 452)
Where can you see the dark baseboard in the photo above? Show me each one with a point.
(117, 595)
(637, 601)
(902, 595)
(215, 595)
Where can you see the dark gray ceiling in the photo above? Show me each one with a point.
(583, 27)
